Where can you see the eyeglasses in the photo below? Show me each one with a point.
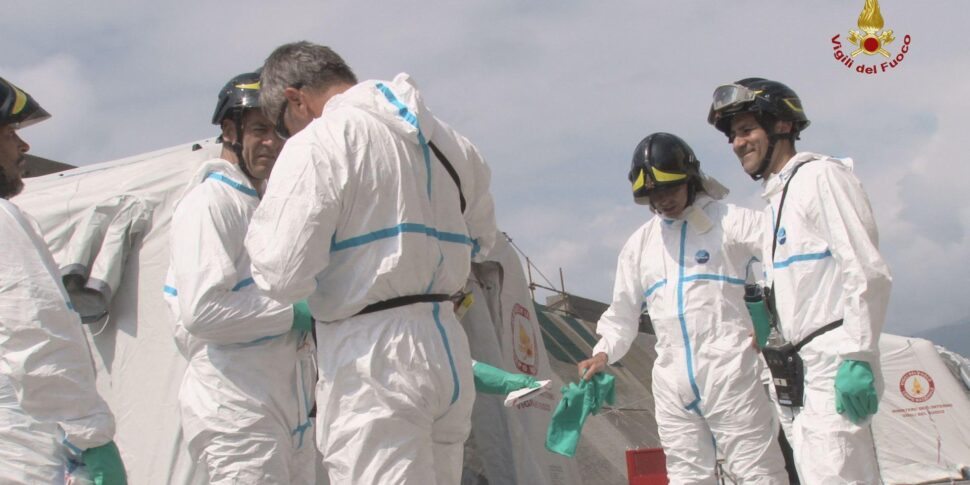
(281, 130)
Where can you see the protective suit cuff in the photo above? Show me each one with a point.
(603, 347)
(864, 356)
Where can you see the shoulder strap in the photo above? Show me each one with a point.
(451, 171)
(784, 193)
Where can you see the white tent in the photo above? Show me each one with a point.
(108, 227)
(922, 429)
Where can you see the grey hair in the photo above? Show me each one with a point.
(300, 64)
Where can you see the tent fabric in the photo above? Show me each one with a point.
(922, 429)
(503, 331)
(94, 259)
(630, 423)
(87, 215)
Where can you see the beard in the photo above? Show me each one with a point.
(10, 185)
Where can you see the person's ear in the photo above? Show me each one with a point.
(294, 96)
(783, 127)
(229, 131)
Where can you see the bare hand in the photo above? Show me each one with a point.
(589, 367)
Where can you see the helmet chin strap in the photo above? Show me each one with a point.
(238, 148)
(766, 161)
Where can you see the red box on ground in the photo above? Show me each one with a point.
(646, 466)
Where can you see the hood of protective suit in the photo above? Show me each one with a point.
(776, 182)
(694, 214)
(373, 96)
(219, 166)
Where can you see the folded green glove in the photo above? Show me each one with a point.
(302, 320)
(855, 392)
(578, 402)
(492, 380)
(104, 464)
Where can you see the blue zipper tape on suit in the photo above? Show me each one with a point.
(683, 324)
(802, 257)
(656, 286)
(407, 115)
(404, 227)
(232, 183)
(444, 338)
(714, 277)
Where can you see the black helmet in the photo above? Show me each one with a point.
(240, 93)
(18, 108)
(663, 160)
(758, 96)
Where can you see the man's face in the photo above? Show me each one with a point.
(260, 145)
(749, 141)
(12, 151)
(670, 202)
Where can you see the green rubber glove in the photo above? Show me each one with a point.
(855, 392)
(578, 402)
(302, 320)
(105, 465)
(492, 380)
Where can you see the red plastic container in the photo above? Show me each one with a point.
(646, 466)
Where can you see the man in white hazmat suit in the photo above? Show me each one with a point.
(375, 211)
(831, 285)
(688, 267)
(50, 410)
(247, 393)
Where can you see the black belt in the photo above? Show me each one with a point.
(402, 301)
(818, 332)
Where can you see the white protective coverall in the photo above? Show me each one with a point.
(827, 266)
(690, 273)
(46, 372)
(359, 210)
(246, 395)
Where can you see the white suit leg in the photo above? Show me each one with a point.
(687, 441)
(741, 417)
(388, 407)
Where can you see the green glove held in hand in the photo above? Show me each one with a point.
(578, 402)
(492, 380)
(105, 465)
(855, 392)
(302, 320)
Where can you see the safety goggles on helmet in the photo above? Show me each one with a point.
(730, 97)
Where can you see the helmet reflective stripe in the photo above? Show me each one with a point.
(661, 176)
(254, 86)
(793, 104)
(639, 182)
(20, 100)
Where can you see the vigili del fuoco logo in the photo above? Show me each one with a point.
(871, 41)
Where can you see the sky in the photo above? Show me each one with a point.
(556, 95)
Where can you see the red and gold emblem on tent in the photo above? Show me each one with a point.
(917, 386)
(524, 341)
